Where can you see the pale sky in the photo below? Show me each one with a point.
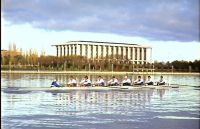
(163, 25)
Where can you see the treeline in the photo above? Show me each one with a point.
(178, 66)
(31, 61)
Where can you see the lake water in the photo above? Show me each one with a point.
(139, 109)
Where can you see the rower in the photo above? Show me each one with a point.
(85, 82)
(139, 81)
(55, 83)
(161, 81)
(100, 82)
(113, 82)
(126, 81)
(149, 81)
(72, 81)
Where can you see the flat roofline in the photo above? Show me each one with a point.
(101, 42)
(104, 42)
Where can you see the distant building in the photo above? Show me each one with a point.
(137, 54)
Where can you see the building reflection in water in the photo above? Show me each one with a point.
(161, 92)
(78, 102)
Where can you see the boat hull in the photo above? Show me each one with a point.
(65, 89)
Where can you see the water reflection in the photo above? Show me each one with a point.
(153, 108)
(93, 101)
(102, 102)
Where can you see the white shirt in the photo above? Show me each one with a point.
(72, 81)
(148, 81)
(126, 81)
(161, 81)
(84, 81)
(100, 81)
(139, 81)
(113, 81)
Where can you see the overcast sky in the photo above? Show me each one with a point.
(171, 27)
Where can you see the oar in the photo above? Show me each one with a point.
(186, 85)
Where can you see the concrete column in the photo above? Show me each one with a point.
(82, 49)
(99, 51)
(145, 55)
(94, 51)
(104, 51)
(129, 53)
(124, 52)
(91, 51)
(140, 51)
(61, 47)
(69, 50)
(133, 54)
(60, 51)
(142, 55)
(109, 50)
(138, 54)
(114, 52)
(73, 49)
(77, 49)
(119, 52)
(57, 51)
(88, 51)
(85, 50)
(64, 50)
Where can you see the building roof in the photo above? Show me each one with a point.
(98, 42)
(104, 42)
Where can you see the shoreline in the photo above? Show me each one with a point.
(97, 72)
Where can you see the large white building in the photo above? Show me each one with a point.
(137, 54)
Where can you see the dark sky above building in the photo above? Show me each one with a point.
(161, 20)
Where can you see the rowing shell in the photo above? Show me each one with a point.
(99, 88)
(148, 87)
